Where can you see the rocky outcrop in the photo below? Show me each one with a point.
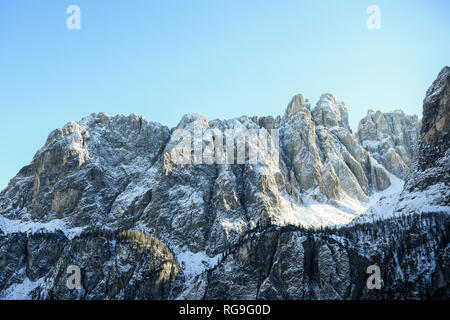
(390, 138)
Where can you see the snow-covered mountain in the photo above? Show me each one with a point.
(108, 195)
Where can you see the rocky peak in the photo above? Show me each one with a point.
(390, 138)
(297, 104)
(191, 119)
(83, 168)
(321, 152)
(330, 112)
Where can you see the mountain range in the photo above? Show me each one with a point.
(107, 195)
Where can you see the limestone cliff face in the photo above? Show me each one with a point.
(107, 194)
(390, 138)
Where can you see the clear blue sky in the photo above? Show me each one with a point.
(221, 58)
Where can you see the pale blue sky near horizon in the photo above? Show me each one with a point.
(223, 59)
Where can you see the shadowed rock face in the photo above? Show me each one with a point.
(432, 168)
(112, 267)
(98, 181)
(434, 135)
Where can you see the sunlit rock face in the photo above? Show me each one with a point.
(323, 154)
(390, 138)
